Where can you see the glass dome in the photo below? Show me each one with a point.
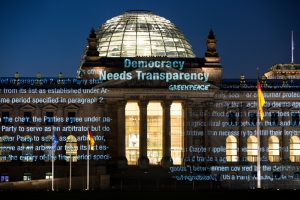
(141, 33)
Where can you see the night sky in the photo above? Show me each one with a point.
(49, 36)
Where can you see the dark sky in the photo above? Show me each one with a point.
(49, 36)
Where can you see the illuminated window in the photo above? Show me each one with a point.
(27, 149)
(274, 149)
(231, 119)
(252, 149)
(297, 175)
(132, 120)
(274, 119)
(5, 148)
(27, 177)
(154, 132)
(231, 149)
(48, 175)
(176, 133)
(252, 119)
(71, 148)
(4, 178)
(295, 149)
(48, 148)
(295, 119)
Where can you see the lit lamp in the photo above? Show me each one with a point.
(263, 79)
(79, 74)
(60, 78)
(242, 80)
(60, 75)
(17, 75)
(38, 75)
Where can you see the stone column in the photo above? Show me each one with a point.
(166, 161)
(101, 113)
(101, 110)
(143, 161)
(264, 146)
(122, 161)
(59, 113)
(15, 112)
(188, 140)
(39, 113)
(243, 147)
(242, 134)
(205, 118)
(198, 140)
(285, 142)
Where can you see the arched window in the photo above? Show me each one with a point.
(274, 153)
(252, 149)
(5, 148)
(48, 148)
(154, 132)
(27, 149)
(132, 125)
(71, 148)
(176, 133)
(295, 149)
(231, 149)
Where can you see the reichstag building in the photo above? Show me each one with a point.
(160, 116)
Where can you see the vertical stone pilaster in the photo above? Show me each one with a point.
(143, 161)
(205, 118)
(122, 161)
(264, 146)
(101, 113)
(188, 140)
(285, 142)
(166, 161)
(242, 137)
(39, 113)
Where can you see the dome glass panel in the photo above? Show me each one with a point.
(141, 33)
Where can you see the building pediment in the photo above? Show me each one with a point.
(50, 107)
(6, 107)
(71, 107)
(28, 107)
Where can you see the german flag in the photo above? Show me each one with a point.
(261, 101)
(91, 139)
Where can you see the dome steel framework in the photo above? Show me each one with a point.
(141, 33)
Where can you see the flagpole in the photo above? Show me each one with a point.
(70, 178)
(52, 166)
(292, 47)
(258, 147)
(90, 144)
(258, 175)
(88, 166)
